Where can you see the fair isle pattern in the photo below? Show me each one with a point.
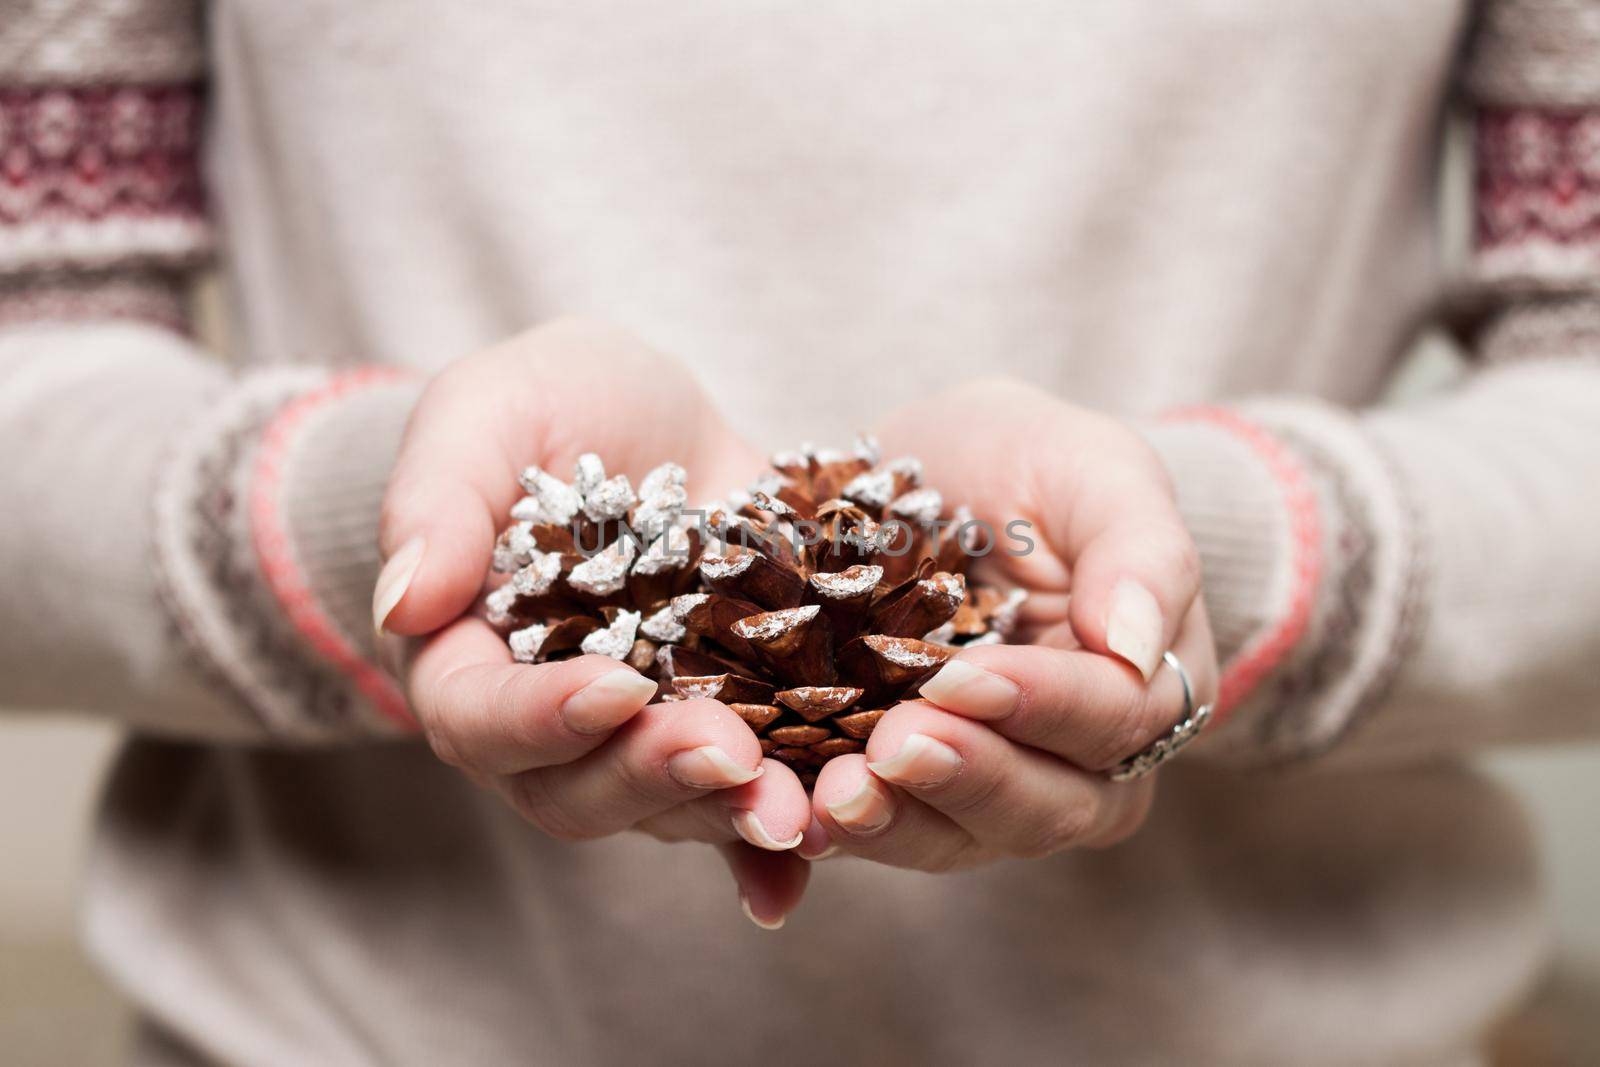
(1538, 196)
(284, 575)
(1336, 656)
(98, 175)
(153, 297)
(210, 576)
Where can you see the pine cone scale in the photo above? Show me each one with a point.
(810, 606)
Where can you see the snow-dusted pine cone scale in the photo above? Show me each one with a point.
(810, 604)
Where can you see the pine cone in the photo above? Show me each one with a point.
(809, 605)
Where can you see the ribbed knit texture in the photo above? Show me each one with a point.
(1237, 512)
(330, 507)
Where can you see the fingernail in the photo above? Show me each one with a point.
(395, 579)
(921, 762)
(607, 702)
(765, 924)
(970, 690)
(815, 844)
(708, 767)
(747, 826)
(393, 651)
(867, 811)
(1133, 627)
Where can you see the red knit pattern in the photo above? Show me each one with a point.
(282, 570)
(95, 152)
(1538, 177)
(1263, 654)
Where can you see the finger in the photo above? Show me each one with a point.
(1135, 569)
(816, 843)
(1013, 800)
(452, 478)
(1079, 705)
(872, 819)
(665, 755)
(769, 813)
(481, 710)
(770, 883)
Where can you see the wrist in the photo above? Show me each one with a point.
(315, 490)
(1312, 566)
(1252, 507)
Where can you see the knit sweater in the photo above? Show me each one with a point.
(1217, 217)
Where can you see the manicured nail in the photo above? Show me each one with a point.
(393, 651)
(865, 812)
(395, 579)
(765, 924)
(708, 767)
(815, 844)
(747, 826)
(969, 690)
(921, 762)
(607, 702)
(1133, 627)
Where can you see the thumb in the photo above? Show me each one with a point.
(437, 529)
(1135, 574)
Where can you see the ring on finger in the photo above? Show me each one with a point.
(1169, 744)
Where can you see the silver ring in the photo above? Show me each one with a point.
(1170, 743)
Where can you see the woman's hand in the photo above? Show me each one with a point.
(575, 746)
(1004, 754)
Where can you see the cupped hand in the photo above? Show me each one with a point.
(1004, 754)
(575, 747)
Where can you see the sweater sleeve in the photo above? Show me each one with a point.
(1403, 583)
(182, 547)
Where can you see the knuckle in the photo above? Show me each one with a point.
(440, 726)
(1168, 557)
(536, 802)
(942, 861)
(1029, 844)
(633, 788)
(1130, 724)
(1180, 558)
(969, 794)
(509, 721)
(444, 746)
(1061, 828)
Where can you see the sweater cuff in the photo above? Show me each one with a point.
(316, 490)
(1308, 566)
(266, 524)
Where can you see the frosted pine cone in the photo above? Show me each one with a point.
(810, 605)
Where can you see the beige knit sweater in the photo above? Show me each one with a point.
(1223, 205)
